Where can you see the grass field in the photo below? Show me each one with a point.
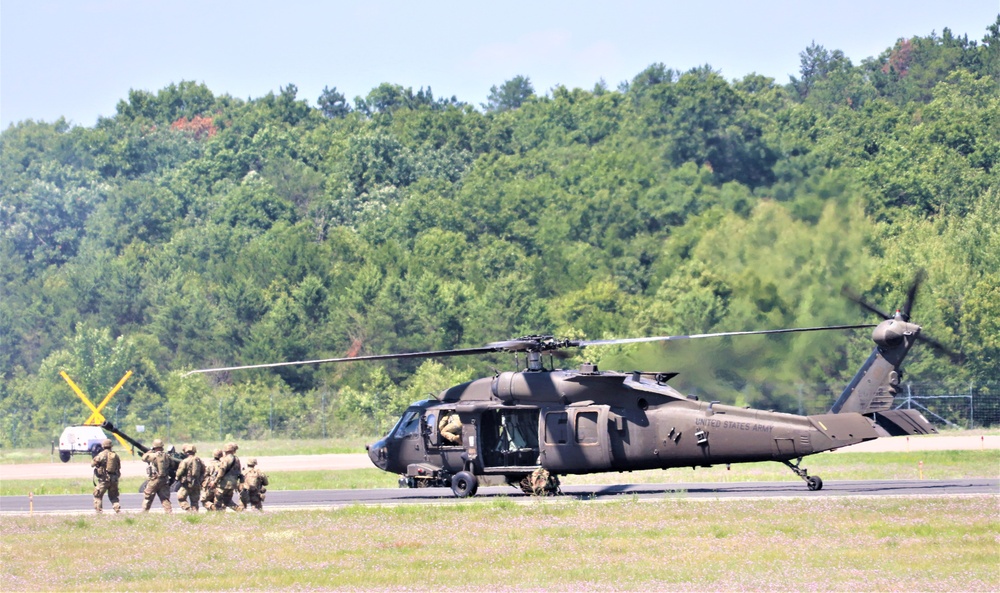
(676, 544)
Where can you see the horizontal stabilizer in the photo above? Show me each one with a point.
(903, 422)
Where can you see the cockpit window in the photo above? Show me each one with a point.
(408, 424)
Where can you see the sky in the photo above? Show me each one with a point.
(78, 58)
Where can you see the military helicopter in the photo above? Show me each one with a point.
(527, 427)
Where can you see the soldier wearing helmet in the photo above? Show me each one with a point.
(158, 469)
(210, 480)
(190, 474)
(107, 470)
(254, 486)
(230, 476)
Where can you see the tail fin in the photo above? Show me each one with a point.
(877, 381)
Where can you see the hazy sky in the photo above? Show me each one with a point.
(78, 58)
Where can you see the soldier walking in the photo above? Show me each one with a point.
(190, 474)
(230, 472)
(210, 481)
(254, 486)
(158, 470)
(107, 470)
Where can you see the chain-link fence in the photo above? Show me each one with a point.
(972, 407)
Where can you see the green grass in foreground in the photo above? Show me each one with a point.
(938, 465)
(677, 544)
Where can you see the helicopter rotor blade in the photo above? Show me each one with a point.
(524, 344)
(864, 304)
(429, 354)
(911, 294)
(955, 357)
(764, 332)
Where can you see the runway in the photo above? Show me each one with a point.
(331, 499)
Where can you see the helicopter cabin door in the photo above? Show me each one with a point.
(576, 440)
(509, 438)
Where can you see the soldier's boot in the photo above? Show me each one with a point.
(98, 506)
(167, 507)
(146, 503)
(185, 506)
(117, 507)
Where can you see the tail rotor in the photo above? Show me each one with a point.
(904, 314)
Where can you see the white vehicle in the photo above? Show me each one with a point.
(77, 440)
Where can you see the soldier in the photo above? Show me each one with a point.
(541, 483)
(254, 486)
(210, 480)
(158, 470)
(230, 474)
(107, 470)
(450, 428)
(190, 473)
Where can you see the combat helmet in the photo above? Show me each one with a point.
(217, 454)
(106, 443)
(251, 462)
(157, 444)
(230, 447)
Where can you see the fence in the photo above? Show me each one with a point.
(975, 408)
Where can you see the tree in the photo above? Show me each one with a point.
(510, 95)
(333, 104)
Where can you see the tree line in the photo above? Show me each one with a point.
(192, 230)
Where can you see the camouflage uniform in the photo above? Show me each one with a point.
(107, 470)
(540, 483)
(254, 486)
(190, 474)
(230, 473)
(158, 471)
(450, 428)
(210, 480)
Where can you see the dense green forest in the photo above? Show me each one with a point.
(192, 230)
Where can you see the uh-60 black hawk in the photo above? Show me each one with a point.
(527, 427)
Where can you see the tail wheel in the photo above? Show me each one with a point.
(464, 484)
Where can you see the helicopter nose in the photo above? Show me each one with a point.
(378, 453)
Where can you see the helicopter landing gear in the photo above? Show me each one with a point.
(464, 484)
(812, 482)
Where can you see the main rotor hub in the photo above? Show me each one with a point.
(533, 344)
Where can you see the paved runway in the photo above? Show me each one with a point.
(328, 499)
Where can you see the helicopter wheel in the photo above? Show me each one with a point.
(814, 483)
(464, 484)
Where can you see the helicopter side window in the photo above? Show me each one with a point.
(408, 425)
(586, 427)
(555, 428)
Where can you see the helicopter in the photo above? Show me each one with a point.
(527, 427)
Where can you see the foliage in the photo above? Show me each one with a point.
(193, 230)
